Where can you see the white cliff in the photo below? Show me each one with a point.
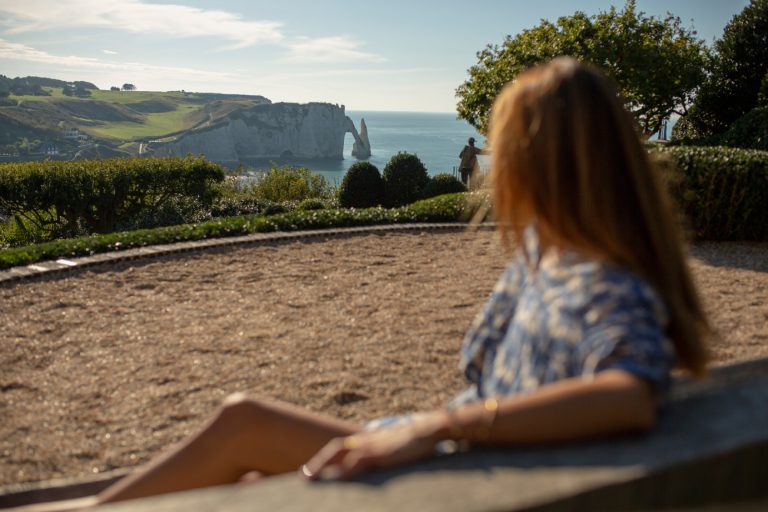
(278, 130)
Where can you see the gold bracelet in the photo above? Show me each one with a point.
(490, 411)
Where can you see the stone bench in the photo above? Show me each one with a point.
(709, 448)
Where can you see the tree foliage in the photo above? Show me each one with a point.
(287, 183)
(737, 78)
(657, 63)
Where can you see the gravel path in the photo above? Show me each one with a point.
(103, 368)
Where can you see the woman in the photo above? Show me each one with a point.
(577, 340)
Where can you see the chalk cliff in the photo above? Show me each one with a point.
(278, 130)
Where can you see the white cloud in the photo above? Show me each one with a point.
(328, 49)
(175, 20)
(136, 16)
(16, 51)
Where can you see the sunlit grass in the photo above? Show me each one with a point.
(127, 97)
(123, 97)
(154, 125)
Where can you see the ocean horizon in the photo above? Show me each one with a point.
(436, 138)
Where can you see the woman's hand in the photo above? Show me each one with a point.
(347, 457)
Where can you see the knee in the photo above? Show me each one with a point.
(239, 407)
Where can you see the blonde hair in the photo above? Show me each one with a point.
(565, 153)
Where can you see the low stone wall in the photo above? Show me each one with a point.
(709, 448)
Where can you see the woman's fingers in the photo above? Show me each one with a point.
(348, 457)
(330, 455)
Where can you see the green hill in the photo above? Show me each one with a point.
(33, 122)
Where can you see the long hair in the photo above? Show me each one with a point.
(566, 154)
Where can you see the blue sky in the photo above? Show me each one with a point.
(386, 55)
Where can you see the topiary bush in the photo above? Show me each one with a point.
(404, 180)
(723, 192)
(443, 183)
(362, 186)
(314, 203)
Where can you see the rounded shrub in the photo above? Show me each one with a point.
(748, 132)
(443, 183)
(313, 203)
(362, 187)
(404, 180)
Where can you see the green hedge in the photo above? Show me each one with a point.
(448, 208)
(62, 197)
(362, 186)
(723, 192)
(404, 180)
(443, 183)
(749, 132)
(286, 183)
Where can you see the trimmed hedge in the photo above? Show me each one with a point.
(749, 132)
(723, 192)
(63, 197)
(404, 180)
(443, 183)
(447, 208)
(362, 186)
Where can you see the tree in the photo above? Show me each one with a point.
(82, 92)
(68, 90)
(129, 87)
(737, 78)
(657, 63)
(114, 88)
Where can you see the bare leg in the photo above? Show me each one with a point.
(245, 435)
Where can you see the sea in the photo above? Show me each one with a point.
(436, 138)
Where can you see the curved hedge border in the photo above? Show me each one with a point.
(722, 191)
(448, 208)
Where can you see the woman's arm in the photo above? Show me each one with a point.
(612, 402)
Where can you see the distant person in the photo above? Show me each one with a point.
(468, 157)
(577, 341)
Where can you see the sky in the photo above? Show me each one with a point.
(389, 55)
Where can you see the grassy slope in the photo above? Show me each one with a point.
(173, 112)
(155, 124)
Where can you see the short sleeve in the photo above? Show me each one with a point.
(625, 330)
(490, 325)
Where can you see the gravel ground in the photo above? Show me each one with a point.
(103, 368)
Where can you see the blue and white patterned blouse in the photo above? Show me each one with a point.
(565, 317)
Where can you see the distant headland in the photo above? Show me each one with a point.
(49, 118)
